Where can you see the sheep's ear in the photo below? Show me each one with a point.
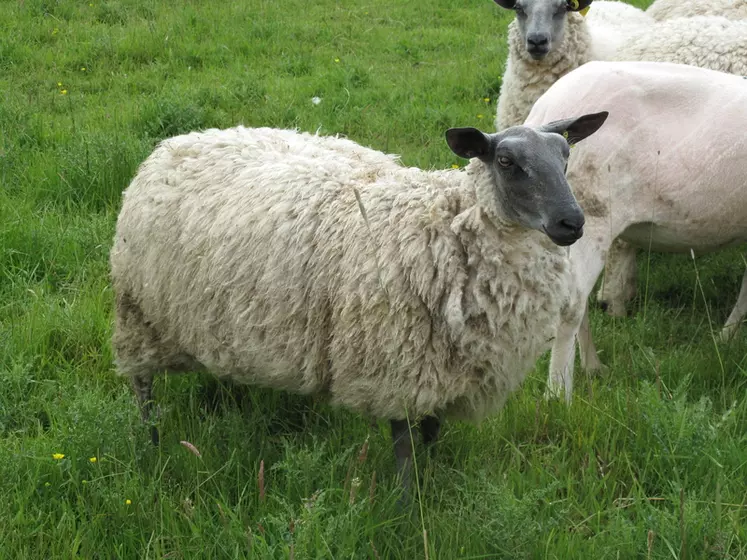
(575, 130)
(508, 4)
(468, 142)
(577, 5)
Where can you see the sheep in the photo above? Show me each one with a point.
(549, 38)
(711, 42)
(667, 171)
(670, 9)
(314, 265)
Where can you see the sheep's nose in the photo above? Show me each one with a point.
(573, 225)
(538, 40)
(567, 230)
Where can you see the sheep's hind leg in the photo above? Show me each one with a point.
(430, 428)
(737, 314)
(142, 385)
(403, 445)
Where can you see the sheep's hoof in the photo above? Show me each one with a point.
(553, 393)
(728, 332)
(597, 368)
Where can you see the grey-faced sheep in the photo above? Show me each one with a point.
(549, 38)
(666, 172)
(246, 252)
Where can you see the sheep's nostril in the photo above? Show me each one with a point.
(538, 40)
(572, 225)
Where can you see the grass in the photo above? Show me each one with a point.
(650, 461)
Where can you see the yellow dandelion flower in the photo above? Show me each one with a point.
(454, 166)
(58, 456)
(63, 92)
(128, 502)
(486, 100)
(93, 459)
(337, 60)
(479, 116)
(59, 84)
(82, 68)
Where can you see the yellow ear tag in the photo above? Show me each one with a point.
(584, 11)
(574, 4)
(565, 135)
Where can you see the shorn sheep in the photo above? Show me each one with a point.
(670, 9)
(711, 42)
(546, 41)
(314, 265)
(549, 38)
(666, 172)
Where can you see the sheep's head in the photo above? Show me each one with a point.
(542, 22)
(527, 168)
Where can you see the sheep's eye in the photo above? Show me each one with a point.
(503, 161)
(519, 11)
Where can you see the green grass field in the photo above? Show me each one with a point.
(650, 461)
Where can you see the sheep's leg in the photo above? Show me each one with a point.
(619, 284)
(590, 361)
(737, 314)
(430, 428)
(142, 385)
(587, 260)
(403, 444)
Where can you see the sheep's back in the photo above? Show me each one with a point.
(674, 142)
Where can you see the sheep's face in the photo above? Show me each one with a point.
(541, 23)
(527, 170)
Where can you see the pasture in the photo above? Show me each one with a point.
(650, 460)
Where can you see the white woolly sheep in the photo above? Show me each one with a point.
(711, 42)
(667, 171)
(669, 9)
(247, 253)
(549, 38)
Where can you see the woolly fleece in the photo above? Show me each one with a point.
(711, 42)
(670, 9)
(245, 251)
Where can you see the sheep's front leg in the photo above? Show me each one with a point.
(587, 260)
(403, 445)
(619, 284)
(737, 314)
(590, 361)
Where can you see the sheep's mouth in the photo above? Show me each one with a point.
(566, 239)
(538, 53)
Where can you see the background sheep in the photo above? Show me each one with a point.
(549, 38)
(648, 183)
(245, 252)
(669, 9)
(710, 42)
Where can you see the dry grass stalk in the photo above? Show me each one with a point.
(261, 480)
